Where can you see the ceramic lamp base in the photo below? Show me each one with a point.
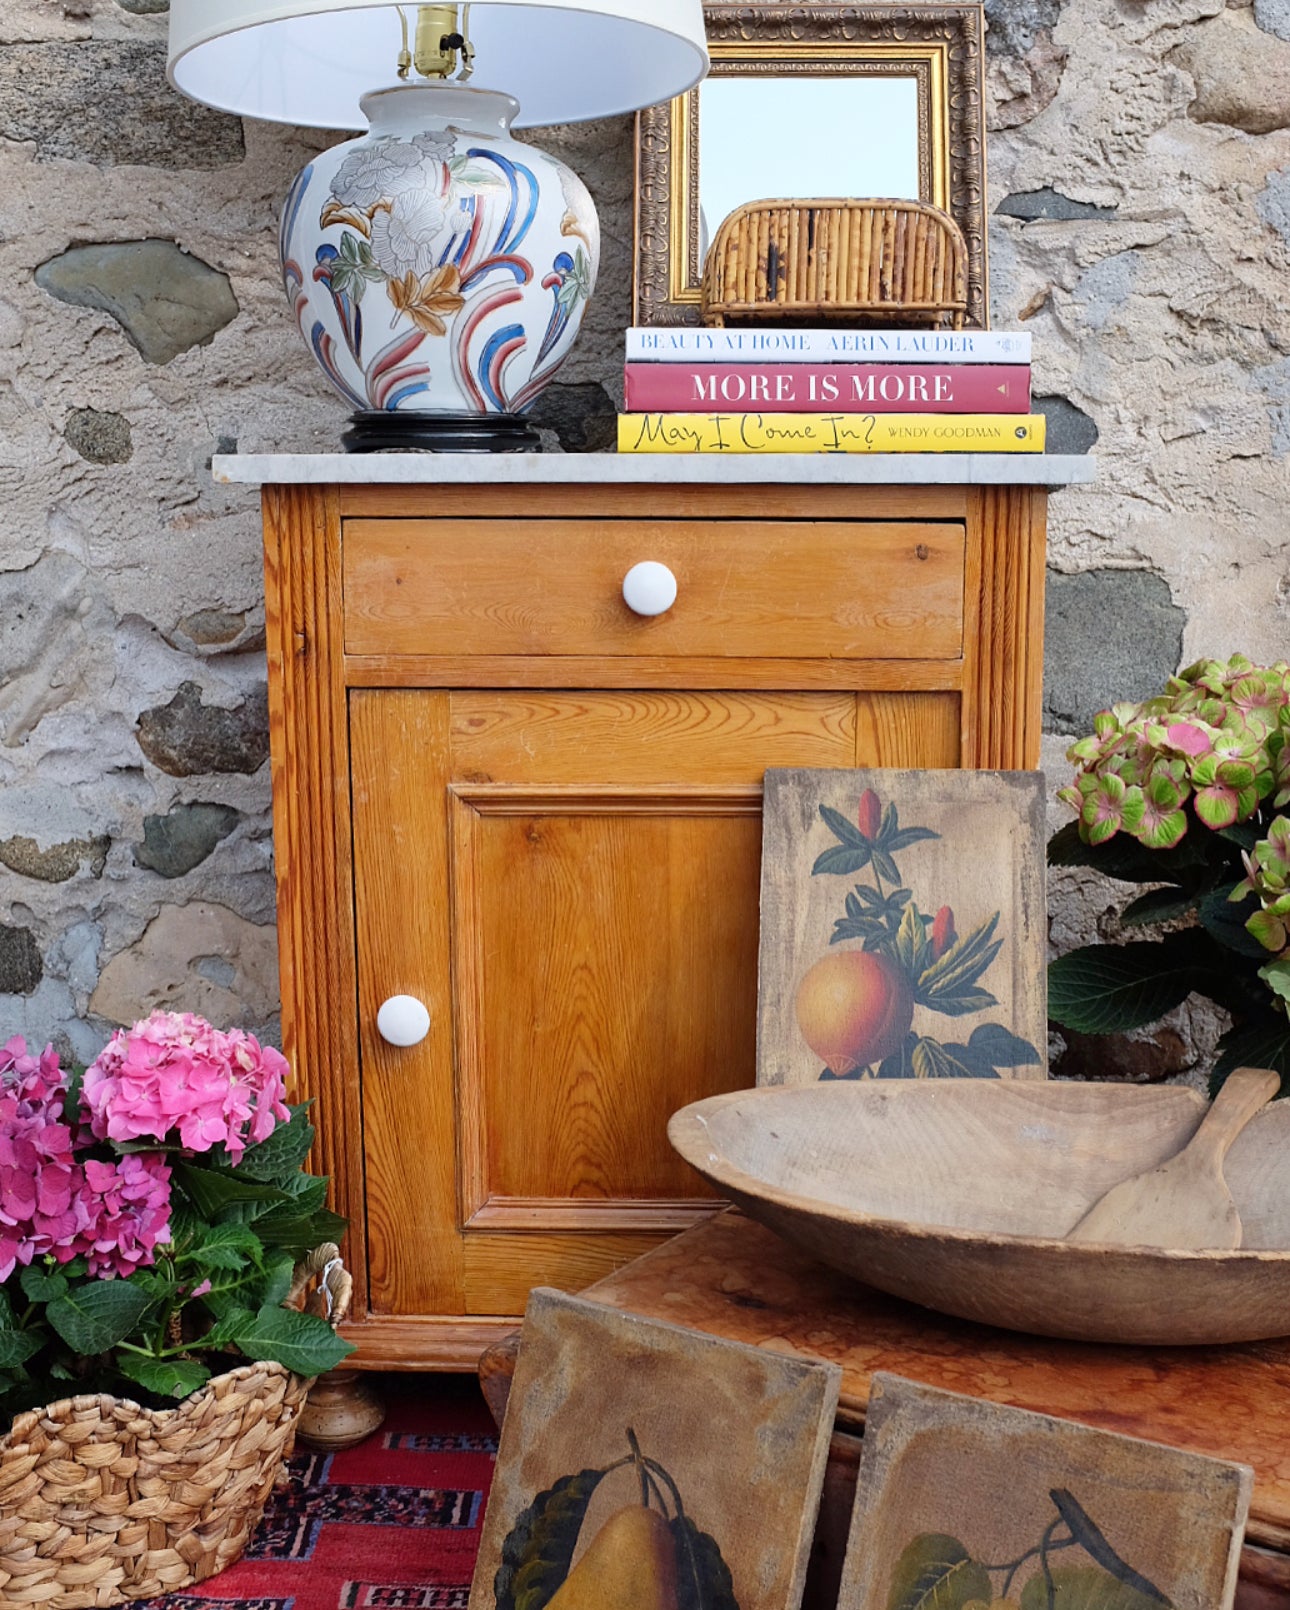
(371, 431)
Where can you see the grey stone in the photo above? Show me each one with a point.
(101, 438)
(1070, 429)
(107, 101)
(144, 8)
(1273, 16)
(181, 840)
(1103, 289)
(1274, 203)
(20, 966)
(75, 956)
(1242, 76)
(1015, 25)
(1110, 635)
(164, 299)
(582, 417)
(59, 862)
(1049, 203)
(54, 622)
(187, 738)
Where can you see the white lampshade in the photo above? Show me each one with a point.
(309, 61)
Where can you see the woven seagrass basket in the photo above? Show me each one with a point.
(102, 1501)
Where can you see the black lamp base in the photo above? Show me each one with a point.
(405, 432)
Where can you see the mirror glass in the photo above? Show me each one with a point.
(813, 100)
(764, 138)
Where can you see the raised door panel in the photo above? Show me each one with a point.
(570, 882)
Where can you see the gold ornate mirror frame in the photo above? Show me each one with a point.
(941, 46)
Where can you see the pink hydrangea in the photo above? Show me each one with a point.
(131, 1202)
(173, 1074)
(40, 1211)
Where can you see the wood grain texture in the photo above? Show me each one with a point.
(654, 724)
(644, 991)
(735, 1278)
(779, 589)
(401, 759)
(1115, 1511)
(884, 1181)
(309, 746)
(501, 1270)
(653, 501)
(633, 671)
(631, 739)
(1003, 632)
(1185, 1202)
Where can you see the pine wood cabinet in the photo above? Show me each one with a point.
(498, 790)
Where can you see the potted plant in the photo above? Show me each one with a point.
(155, 1230)
(1183, 794)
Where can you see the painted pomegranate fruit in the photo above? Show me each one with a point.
(854, 1007)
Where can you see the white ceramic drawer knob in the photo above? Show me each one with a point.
(403, 1020)
(649, 588)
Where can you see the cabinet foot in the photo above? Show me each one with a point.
(342, 1409)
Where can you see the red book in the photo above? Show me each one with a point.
(809, 388)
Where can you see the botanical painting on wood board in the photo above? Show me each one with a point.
(967, 1505)
(646, 1467)
(903, 926)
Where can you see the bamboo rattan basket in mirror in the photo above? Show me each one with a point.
(871, 260)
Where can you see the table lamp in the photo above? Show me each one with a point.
(437, 268)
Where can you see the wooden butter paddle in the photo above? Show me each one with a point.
(1185, 1203)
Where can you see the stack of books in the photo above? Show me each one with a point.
(828, 391)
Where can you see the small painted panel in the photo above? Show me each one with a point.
(903, 926)
(646, 1467)
(964, 1504)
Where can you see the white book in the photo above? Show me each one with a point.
(692, 344)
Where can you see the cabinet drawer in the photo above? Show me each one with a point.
(772, 589)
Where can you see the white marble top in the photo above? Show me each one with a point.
(580, 469)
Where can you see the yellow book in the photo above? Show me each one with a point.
(830, 433)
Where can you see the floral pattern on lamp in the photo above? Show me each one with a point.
(436, 264)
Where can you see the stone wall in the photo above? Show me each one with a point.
(1140, 192)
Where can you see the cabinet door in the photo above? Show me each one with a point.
(570, 882)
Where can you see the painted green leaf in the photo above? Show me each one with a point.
(906, 837)
(843, 858)
(93, 1318)
(1103, 989)
(963, 963)
(935, 1572)
(703, 1579)
(962, 1002)
(1085, 1587)
(846, 832)
(538, 1549)
(1002, 1048)
(932, 1060)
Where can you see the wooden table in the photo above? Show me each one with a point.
(733, 1278)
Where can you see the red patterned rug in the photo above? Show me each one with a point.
(390, 1525)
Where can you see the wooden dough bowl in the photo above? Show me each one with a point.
(956, 1194)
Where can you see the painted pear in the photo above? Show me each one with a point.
(630, 1564)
